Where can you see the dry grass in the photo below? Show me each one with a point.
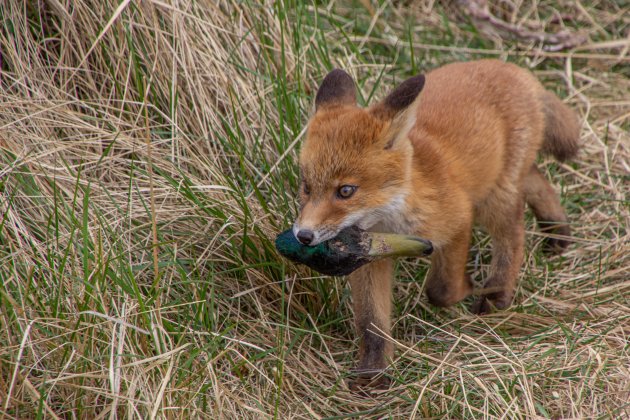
(147, 160)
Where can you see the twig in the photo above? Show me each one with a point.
(480, 13)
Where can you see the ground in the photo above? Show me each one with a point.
(148, 159)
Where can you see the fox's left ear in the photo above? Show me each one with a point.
(400, 99)
(395, 108)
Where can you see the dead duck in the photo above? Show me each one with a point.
(350, 249)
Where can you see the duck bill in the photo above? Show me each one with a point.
(392, 245)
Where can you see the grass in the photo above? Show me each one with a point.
(148, 159)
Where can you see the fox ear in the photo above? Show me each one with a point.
(397, 101)
(337, 88)
(394, 109)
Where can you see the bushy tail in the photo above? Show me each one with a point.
(562, 129)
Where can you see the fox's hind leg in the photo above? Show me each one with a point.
(550, 215)
(371, 287)
(505, 223)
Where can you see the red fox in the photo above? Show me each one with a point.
(438, 154)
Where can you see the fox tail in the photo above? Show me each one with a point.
(562, 129)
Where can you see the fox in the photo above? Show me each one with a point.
(440, 153)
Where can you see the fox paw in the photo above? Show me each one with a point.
(364, 382)
(556, 246)
(490, 303)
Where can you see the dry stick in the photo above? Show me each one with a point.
(156, 272)
(154, 239)
(119, 10)
(280, 159)
(480, 12)
(524, 53)
(35, 394)
(17, 364)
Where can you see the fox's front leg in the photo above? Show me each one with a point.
(507, 230)
(371, 287)
(447, 282)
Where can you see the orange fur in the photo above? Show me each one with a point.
(463, 152)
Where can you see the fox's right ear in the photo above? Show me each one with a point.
(337, 88)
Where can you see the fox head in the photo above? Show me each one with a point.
(355, 163)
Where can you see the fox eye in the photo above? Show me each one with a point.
(306, 188)
(346, 191)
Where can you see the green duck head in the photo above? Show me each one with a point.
(349, 250)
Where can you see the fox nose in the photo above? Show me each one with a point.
(305, 236)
